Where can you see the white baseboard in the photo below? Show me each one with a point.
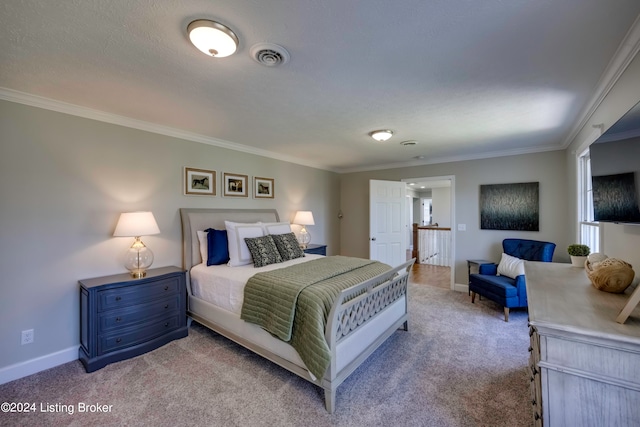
(30, 367)
(461, 288)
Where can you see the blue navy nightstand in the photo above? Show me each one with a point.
(122, 317)
(316, 249)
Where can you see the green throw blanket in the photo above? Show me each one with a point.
(293, 303)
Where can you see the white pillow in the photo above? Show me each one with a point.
(204, 245)
(236, 232)
(510, 266)
(276, 227)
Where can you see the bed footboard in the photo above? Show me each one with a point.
(382, 299)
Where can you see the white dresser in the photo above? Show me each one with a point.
(585, 367)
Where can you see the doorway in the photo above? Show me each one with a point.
(440, 192)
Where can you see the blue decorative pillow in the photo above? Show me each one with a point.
(263, 250)
(218, 246)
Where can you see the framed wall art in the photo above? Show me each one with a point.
(199, 182)
(263, 188)
(510, 207)
(234, 185)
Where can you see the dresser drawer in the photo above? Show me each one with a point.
(132, 336)
(127, 316)
(137, 294)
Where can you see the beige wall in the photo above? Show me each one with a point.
(64, 181)
(545, 168)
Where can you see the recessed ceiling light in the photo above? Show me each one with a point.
(212, 38)
(381, 135)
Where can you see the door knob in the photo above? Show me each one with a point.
(373, 239)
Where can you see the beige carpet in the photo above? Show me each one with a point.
(460, 364)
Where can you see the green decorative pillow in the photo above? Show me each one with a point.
(288, 246)
(263, 250)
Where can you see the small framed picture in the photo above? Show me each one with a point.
(235, 185)
(199, 182)
(262, 188)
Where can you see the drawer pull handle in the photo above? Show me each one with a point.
(166, 306)
(118, 298)
(118, 319)
(166, 325)
(118, 340)
(166, 288)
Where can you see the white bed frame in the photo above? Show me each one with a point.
(356, 327)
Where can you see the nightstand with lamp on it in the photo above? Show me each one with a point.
(126, 315)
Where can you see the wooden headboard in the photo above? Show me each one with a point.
(201, 219)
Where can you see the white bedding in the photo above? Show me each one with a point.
(223, 286)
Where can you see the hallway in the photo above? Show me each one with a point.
(431, 275)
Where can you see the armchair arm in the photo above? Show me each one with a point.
(488, 269)
(522, 290)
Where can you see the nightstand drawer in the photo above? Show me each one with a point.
(124, 317)
(136, 294)
(145, 332)
(316, 249)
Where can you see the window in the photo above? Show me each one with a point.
(588, 229)
(427, 212)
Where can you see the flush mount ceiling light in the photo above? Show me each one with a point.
(381, 135)
(212, 38)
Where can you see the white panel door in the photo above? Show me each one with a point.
(387, 222)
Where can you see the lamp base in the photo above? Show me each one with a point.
(138, 259)
(304, 238)
(138, 274)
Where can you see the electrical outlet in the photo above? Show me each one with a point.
(27, 336)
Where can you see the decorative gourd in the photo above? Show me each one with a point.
(610, 275)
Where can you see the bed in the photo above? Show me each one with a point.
(360, 319)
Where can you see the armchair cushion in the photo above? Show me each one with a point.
(498, 285)
(510, 266)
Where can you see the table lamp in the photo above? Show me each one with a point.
(138, 257)
(304, 218)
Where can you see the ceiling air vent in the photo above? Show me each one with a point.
(409, 143)
(269, 54)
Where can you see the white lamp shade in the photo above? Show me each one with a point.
(136, 224)
(304, 218)
(212, 38)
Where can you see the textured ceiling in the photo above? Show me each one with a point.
(463, 78)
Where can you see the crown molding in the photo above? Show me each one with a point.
(626, 52)
(461, 158)
(89, 113)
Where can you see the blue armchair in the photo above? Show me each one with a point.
(506, 291)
